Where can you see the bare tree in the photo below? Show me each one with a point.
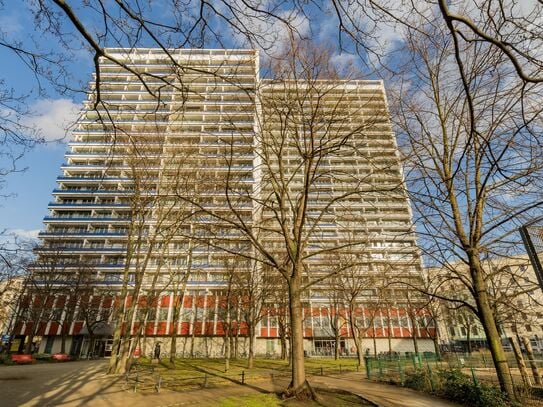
(293, 197)
(38, 302)
(465, 153)
(253, 290)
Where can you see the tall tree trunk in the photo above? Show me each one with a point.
(192, 338)
(389, 334)
(227, 335)
(520, 361)
(297, 339)
(414, 334)
(236, 341)
(491, 330)
(356, 335)
(251, 356)
(336, 344)
(175, 323)
(283, 340)
(227, 350)
(435, 339)
(533, 365)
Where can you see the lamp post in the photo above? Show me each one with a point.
(532, 237)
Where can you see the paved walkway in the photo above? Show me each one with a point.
(383, 395)
(84, 383)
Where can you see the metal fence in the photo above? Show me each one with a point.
(148, 378)
(477, 365)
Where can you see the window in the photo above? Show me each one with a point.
(163, 314)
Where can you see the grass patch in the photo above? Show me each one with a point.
(200, 373)
(189, 368)
(257, 400)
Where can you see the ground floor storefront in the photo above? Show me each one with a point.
(84, 346)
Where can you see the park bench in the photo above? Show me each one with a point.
(20, 359)
(61, 357)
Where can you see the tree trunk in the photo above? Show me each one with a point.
(175, 323)
(356, 336)
(173, 347)
(192, 335)
(28, 345)
(236, 342)
(227, 336)
(122, 358)
(227, 352)
(414, 336)
(91, 344)
(283, 340)
(491, 330)
(389, 332)
(336, 344)
(436, 342)
(297, 340)
(533, 365)
(63, 342)
(520, 361)
(389, 340)
(251, 356)
(468, 337)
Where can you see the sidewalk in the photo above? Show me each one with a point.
(383, 395)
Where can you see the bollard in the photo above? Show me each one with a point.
(368, 368)
(205, 379)
(136, 382)
(243, 377)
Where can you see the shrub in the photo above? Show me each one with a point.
(5, 360)
(458, 387)
(42, 356)
(491, 396)
(417, 380)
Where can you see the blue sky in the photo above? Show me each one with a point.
(30, 191)
(53, 109)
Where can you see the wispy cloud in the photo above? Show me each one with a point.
(10, 24)
(52, 117)
(24, 233)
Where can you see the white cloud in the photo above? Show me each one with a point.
(10, 24)
(52, 117)
(24, 233)
(344, 62)
(268, 34)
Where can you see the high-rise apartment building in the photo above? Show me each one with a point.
(172, 153)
